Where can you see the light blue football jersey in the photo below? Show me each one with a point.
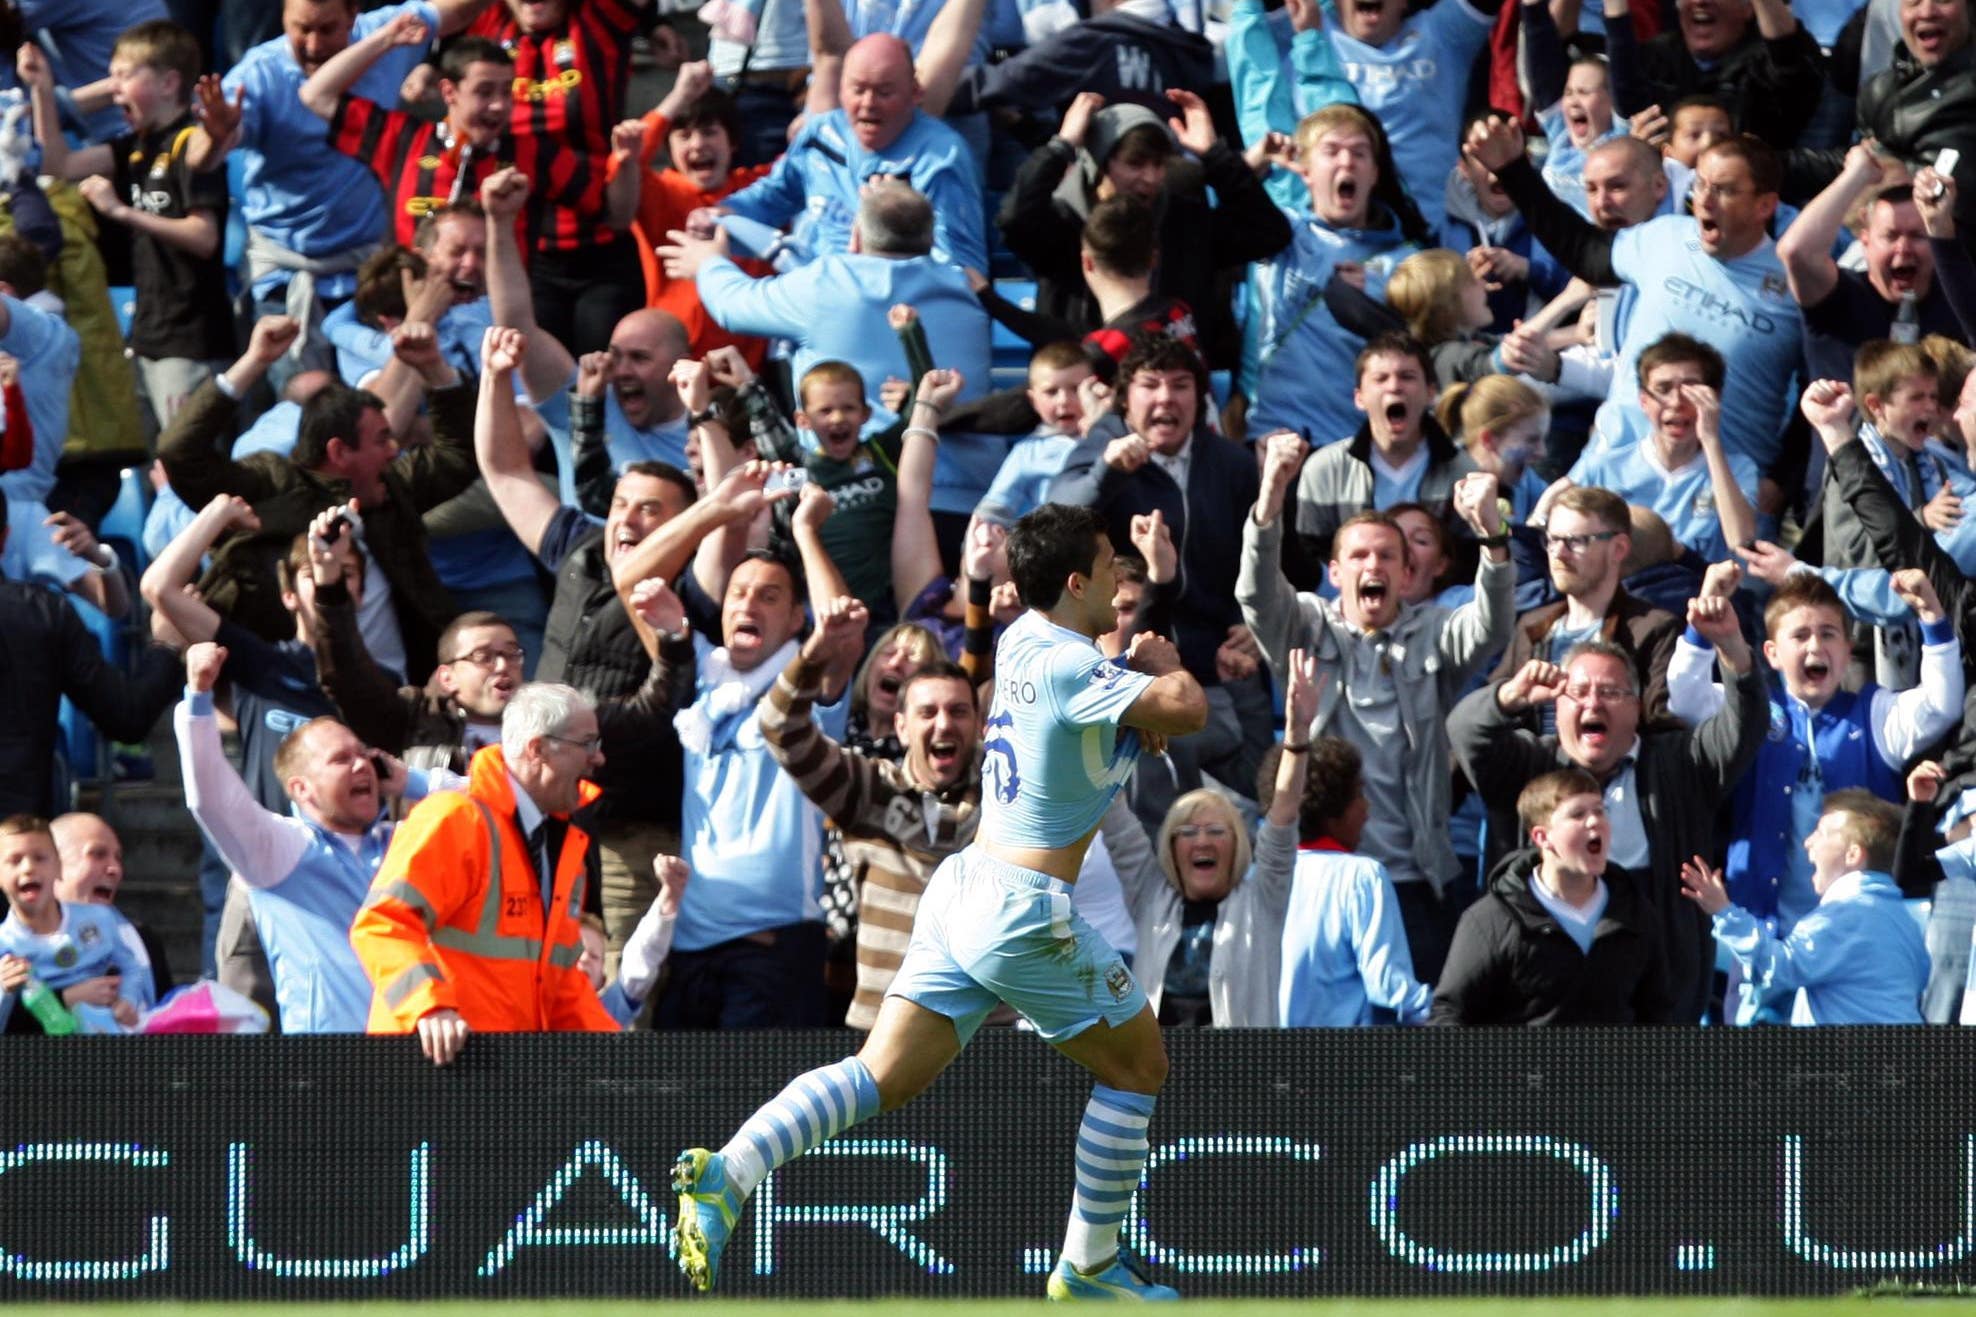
(1055, 754)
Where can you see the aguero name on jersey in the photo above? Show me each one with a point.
(1055, 753)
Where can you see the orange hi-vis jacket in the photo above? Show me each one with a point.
(454, 918)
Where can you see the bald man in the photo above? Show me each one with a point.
(878, 128)
(93, 874)
(642, 417)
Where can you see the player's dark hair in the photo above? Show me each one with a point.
(1050, 544)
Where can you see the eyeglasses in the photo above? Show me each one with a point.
(1577, 543)
(1717, 191)
(489, 657)
(1609, 694)
(1212, 831)
(590, 746)
(1670, 392)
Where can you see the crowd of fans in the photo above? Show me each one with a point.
(1545, 431)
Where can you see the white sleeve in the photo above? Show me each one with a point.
(262, 847)
(1904, 723)
(1693, 694)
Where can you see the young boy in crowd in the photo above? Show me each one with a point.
(1057, 372)
(89, 955)
(698, 125)
(645, 951)
(1858, 957)
(1822, 738)
(1551, 942)
(182, 331)
(1344, 948)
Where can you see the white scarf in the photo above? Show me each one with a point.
(724, 693)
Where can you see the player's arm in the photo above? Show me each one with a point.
(1173, 703)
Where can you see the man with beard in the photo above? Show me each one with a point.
(1394, 669)
(1399, 455)
(1587, 540)
(1663, 784)
(1846, 308)
(308, 870)
(899, 819)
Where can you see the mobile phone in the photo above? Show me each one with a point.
(1947, 159)
(334, 531)
(794, 477)
(382, 764)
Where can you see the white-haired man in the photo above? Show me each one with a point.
(472, 922)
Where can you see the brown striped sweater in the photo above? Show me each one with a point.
(895, 832)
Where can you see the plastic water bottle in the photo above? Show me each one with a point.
(45, 1005)
(1907, 322)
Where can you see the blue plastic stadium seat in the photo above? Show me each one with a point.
(1009, 350)
(123, 524)
(123, 300)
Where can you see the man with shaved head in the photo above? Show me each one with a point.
(92, 874)
(625, 399)
(878, 128)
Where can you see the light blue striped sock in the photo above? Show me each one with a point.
(816, 1106)
(1111, 1154)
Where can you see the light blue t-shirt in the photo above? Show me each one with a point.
(92, 941)
(49, 353)
(1023, 483)
(1054, 753)
(1578, 924)
(360, 349)
(1297, 359)
(297, 189)
(753, 839)
(1415, 84)
(1344, 948)
(1742, 308)
(1684, 499)
(626, 443)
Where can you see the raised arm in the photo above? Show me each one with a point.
(946, 51)
(32, 68)
(1806, 247)
(1579, 246)
(261, 846)
(915, 549)
(546, 365)
(827, 587)
(1732, 505)
(366, 696)
(1935, 198)
(165, 580)
(498, 445)
(324, 88)
(195, 447)
(1270, 607)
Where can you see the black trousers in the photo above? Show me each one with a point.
(581, 295)
(771, 981)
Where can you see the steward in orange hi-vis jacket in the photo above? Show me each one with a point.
(456, 920)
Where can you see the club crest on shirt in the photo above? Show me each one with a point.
(90, 933)
(564, 54)
(1119, 980)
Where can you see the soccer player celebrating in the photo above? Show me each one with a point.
(996, 923)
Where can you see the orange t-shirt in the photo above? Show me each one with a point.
(665, 199)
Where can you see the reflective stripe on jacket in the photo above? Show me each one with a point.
(454, 919)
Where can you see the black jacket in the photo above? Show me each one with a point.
(46, 653)
(1042, 220)
(1119, 56)
(1913, 113)
(1206, 523)
(1512, 964)
(1771, 87)
(1682, 777)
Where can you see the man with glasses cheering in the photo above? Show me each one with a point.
(1587, 540)
(471, 922)
(1661, 787)
(1703, 485)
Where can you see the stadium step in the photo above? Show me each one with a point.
(161, 853)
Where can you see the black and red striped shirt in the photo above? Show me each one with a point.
(569, 93)
(420, 166)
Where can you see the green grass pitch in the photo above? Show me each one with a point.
(1573, 1307)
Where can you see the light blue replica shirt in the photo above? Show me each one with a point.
(753, 839)
(1859, 958)
(1344, 948)
(628, 443)
(1741, 307)
(819, 177)
(1054, 753)
(362, 350)
(1293, 342)
(49, 353)
(297, 190)
(93, 940)
(1413, 83)
(1684, 497)
(305, 883)
(1023, 483)
(1279, 75)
